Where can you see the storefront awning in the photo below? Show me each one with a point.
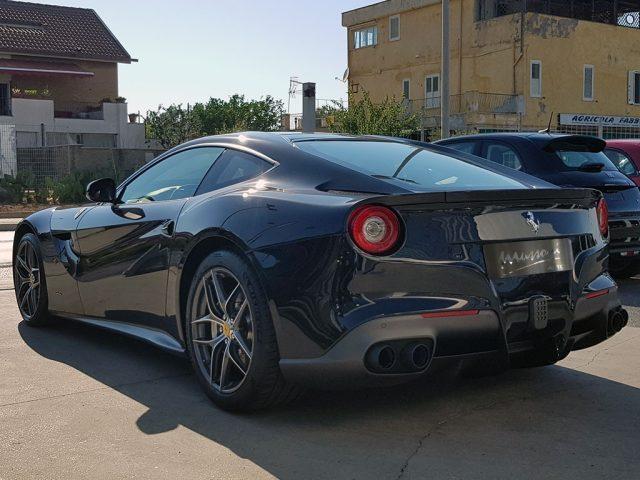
(20, 67)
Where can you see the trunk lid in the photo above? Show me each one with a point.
(525, 241)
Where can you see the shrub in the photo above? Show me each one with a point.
(70, 189)
(363, 117)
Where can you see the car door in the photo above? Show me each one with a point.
(624, 163)
(124, 248)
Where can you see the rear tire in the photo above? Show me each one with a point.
(229, 329)
(30, 282)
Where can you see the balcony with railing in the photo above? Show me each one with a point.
(79, 110)
(468, 102)
(623, 13)
(470, 108)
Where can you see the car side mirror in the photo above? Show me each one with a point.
(102, 191)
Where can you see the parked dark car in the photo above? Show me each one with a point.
(276, 261)
(625, 154)
(571, 161)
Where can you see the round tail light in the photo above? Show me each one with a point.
(603, 217)
(374, 229)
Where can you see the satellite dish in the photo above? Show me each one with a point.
(345, 75)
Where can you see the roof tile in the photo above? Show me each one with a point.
(51, 30)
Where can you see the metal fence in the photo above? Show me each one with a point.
(624, 13)
(468, 102)
(36, 165)
(30, 171)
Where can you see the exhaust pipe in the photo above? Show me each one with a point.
(618, 319)
(416, 356)
(381, 357)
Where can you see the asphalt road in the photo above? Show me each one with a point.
(76, 402)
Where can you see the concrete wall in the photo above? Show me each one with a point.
(122, 162)
(482, 53)
(57, 162)
(564, 46)
(493, 56)
(29, 115)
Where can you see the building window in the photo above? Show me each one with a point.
(394, 28)
(634, 87)
(587, 83)
(367, 37)
(406, 89)
(5, 99)
(432, 91)
(536, 78)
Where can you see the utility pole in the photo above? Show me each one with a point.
(444, 97)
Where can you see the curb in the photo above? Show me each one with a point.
(17, 214)
(9, 226)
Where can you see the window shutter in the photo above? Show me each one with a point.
(630, 89)
(587, 93)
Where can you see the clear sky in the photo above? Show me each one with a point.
(191, 50)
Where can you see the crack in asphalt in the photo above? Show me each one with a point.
(461, 414)
(90, 390)
(597, 354)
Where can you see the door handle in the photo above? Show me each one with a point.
(168, 228)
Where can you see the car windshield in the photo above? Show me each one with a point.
(408, 164)
(578, 160)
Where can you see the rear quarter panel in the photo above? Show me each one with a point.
(294, 240)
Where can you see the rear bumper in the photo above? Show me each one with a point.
(485, 334)
(624, 234)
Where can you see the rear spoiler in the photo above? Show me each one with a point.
(580, 196)
(571, 142)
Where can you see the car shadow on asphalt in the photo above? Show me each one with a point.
(554, 420)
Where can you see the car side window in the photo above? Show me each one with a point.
(621, 160)
(175, 177)
(465, 147)
(503, 154)
(233, 166)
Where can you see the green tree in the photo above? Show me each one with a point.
(172, 125)
(175, 124)
(237, 114)
(363, 117)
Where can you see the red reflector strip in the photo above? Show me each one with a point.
(451, 313)
(597, 294)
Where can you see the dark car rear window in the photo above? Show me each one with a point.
(575, 159)
(406, 163)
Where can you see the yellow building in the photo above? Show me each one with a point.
(515, 64)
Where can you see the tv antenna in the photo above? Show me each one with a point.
(293, 90)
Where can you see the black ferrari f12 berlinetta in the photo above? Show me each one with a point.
(278, 261)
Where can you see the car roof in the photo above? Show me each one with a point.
(278, 137)
(280, 148)
(539, 139)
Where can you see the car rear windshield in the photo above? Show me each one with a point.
(414, 167)
(573, 160)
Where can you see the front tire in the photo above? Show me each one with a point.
(30, 282)
(230, 336)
